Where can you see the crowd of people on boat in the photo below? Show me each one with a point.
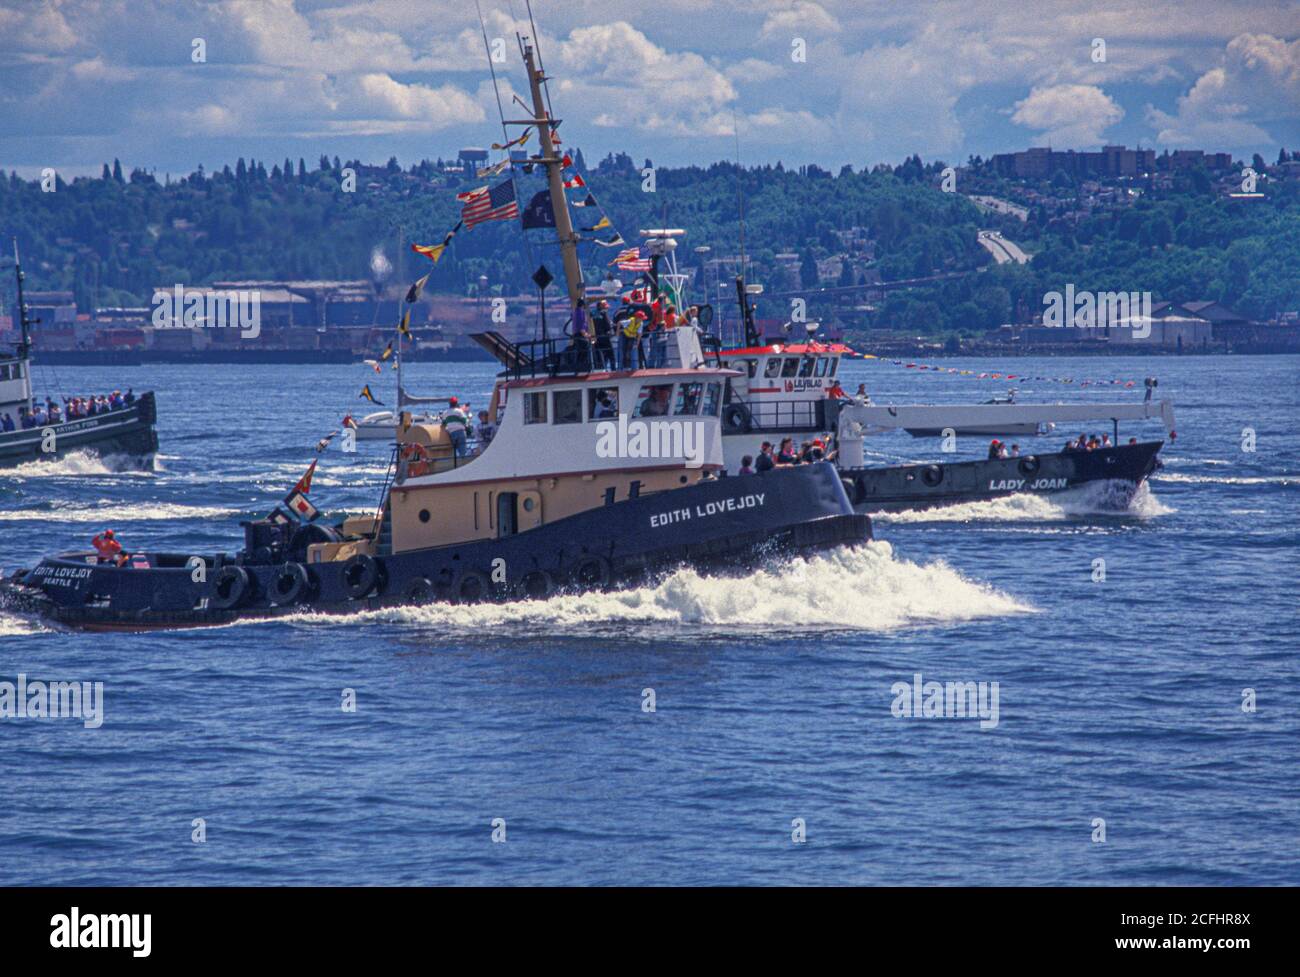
(72, 409)
(1086, 442)
(786, 454)
(998, 449)
(634, 335)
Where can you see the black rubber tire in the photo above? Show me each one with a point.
(535, 585)
(592, 573)
(735, 418)
(305, 536)
(290, 585)
(231, 587)
(1029, 464)
(419, 590)
(932, 475)
(360, 575)
(471, 587)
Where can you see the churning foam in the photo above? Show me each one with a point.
(107, 512)
(13, 624)
(80, 463)
(864, 588)
(1095, 498)
(1286, 480)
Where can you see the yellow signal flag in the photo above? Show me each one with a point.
(431, 251)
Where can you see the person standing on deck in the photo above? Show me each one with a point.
(603, 331)
(630, 341)
(106, 546)
(456, 424)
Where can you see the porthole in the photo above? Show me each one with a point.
(528, 505)
(424, 515)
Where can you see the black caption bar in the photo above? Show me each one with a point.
(143, 927)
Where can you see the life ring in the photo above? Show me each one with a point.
(932, 475)
(290, 585)
(1029, 464)
(471, 587)
(418, 461)
(230, 588)
(360, 575)
(419, 590)
(592, 573)
(736, 418)
(536, 584)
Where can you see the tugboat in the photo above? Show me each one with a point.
(593, 479)
(791, 391)
(125, 432)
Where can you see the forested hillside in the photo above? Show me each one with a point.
(113, 238)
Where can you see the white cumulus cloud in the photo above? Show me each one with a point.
(1258, 80)
(1076, 115)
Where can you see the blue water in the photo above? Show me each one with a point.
(1118, 700)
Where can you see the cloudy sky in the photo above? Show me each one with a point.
(83, 81)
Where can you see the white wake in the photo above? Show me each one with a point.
(864, 589)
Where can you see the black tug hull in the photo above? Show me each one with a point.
(912, 487)
(726, 524)
(128, 433)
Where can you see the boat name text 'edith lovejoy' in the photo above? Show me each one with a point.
(706, 510)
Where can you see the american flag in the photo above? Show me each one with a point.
(497, 204)
(631, 260)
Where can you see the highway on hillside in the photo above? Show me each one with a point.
(1002, 250)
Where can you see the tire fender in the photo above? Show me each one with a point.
(592, 573)
(535, 584)
(360, 575)
(471, 587)
(231, 587)
(290, 585)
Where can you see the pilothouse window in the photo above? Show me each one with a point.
(535, 408)
(712, 398)
(653, 400)
(806, 368)
(773, 368)
(568, 407)
(688, 398)
(823, 364)
(791, 367)
(602, 403)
